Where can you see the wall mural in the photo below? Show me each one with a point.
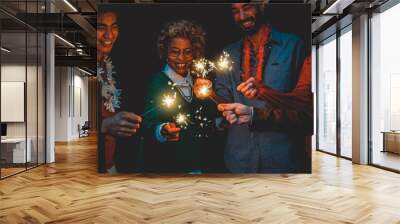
(204, 88)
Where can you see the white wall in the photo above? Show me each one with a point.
(71, 103)
(33, 127)
(16, 73)
(80, 112)
(61, 103)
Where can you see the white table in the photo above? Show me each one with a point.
(16, 147)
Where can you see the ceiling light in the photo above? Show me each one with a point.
(329, 9)
(70, 5)
(337, 7)
(5, 50)
(84, 71)
(65, 41)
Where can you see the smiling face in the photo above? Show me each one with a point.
(246, 16)
(180, 55)
(107, 32)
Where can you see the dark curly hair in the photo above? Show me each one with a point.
(182, 29)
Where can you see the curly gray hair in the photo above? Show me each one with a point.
(182, 29)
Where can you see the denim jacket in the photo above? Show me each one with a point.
(249, 151)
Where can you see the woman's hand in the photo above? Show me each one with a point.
(248, 88)
(122, 124)
(171, 132)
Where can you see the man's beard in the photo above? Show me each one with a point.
(252, 30)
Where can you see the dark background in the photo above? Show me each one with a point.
(135, 53)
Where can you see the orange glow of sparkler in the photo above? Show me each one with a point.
(204, 91)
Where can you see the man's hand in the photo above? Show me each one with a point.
(248, 88)
(122, 124)
(202, 88)
(171, 132)
(236, 113)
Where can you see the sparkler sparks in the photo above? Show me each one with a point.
(183, 120)
(168, 100)
(202, 67)
(204, 92)
(224, 62)
(202, 122)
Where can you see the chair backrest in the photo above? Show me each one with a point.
(86, 125)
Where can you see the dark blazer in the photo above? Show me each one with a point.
(184, 155)
(127, 155)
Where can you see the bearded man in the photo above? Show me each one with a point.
(267, 66)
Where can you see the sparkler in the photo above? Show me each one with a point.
(168, 101)
(183, 120)
(224, 62)
(203, 122)
(204, 92)
(202, 67)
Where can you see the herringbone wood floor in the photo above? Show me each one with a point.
(71, 191)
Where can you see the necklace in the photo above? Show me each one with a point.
(110, 93)
(246, 64)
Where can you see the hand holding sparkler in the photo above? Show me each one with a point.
(236, 113)
(248, 88)
(171, 132)
(122, 124)
(202, 88)
(202, 85)
(201, 68)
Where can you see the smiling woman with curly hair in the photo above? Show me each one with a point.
(170, 146)
(182, 29)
